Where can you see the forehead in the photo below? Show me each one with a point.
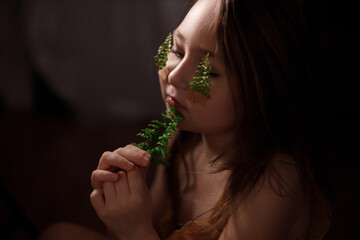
(199, 25)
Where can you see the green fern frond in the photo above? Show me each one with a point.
(202, 83)
(158, 134)
(162, 55)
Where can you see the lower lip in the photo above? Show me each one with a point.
(173, 102)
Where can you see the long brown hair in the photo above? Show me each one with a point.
(269, 50)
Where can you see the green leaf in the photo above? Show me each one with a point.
(162, 55)
(202, 83)
(158, 134)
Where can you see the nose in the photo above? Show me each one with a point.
(181, 72)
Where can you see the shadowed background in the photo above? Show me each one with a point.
(77, 79)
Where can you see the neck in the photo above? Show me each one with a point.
(215, 144)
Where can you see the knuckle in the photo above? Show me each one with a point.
(92, 195)
(120, 150)
(109, 157)
(94, 173)
(106, 155)
(130, 146)
(93, 177)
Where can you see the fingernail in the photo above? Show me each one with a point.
(146, 160)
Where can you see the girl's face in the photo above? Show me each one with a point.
(193, 38)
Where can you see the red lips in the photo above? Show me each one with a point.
(173, 102)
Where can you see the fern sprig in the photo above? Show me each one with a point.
(162, 55)
(157, 135)
(202, 83)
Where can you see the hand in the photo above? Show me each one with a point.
(120, 159)
(125, 206)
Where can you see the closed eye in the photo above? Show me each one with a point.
(177, 53)
(214, 75)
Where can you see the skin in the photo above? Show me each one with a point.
(214, 120)
(126, 205)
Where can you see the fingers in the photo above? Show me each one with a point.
(109, 191)
(97, 199)
(98, 177)
(136, 180)
(109, 160)
(124, 158)
(122, 185)
(135, 155)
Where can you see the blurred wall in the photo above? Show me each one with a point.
(76, 79)
(96, 56)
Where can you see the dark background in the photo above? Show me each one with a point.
(77, 79)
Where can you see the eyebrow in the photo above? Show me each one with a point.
(178, 34)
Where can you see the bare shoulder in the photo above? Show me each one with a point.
(278, 208)
(285, 179)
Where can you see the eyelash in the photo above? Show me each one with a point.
(177, 53)
(214, 75)
(181, 55)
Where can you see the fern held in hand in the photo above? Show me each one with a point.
(202, 83)
(158, 134)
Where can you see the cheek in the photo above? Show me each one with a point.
(221, 108)
(222, 113)
(197, 98)
(217, 115)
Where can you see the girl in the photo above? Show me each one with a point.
(240, 161)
